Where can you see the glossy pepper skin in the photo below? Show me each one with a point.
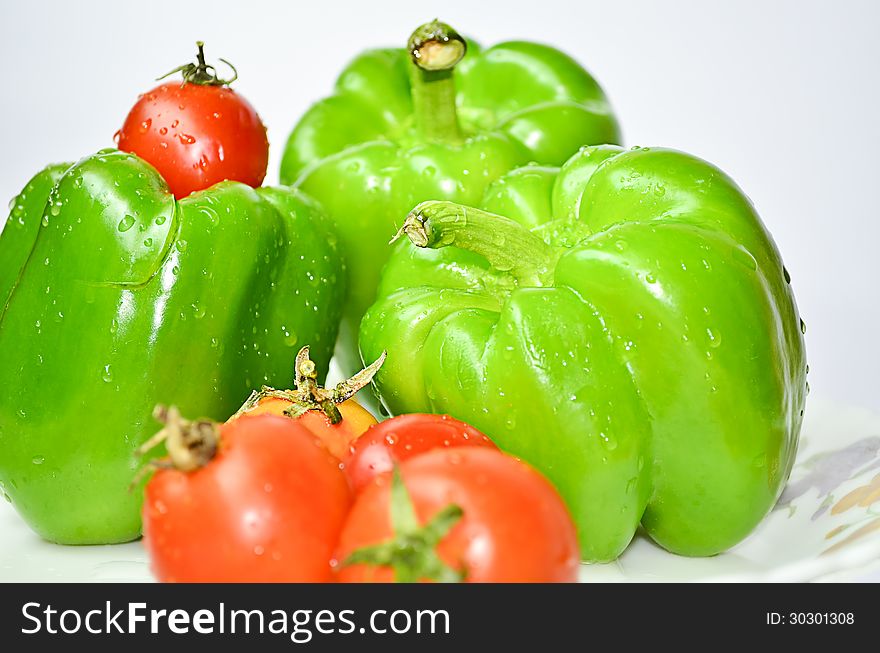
(408, 125)
(116, 297)
(627, 328)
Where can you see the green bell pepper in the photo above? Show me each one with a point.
(116, 297)
(627, 327)
(431, 122)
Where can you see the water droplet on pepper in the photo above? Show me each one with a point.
(126, 223)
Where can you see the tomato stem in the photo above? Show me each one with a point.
(202, 73)
(309, 394)
(435, 48)
(411, 551)
(190, 444)
(200, 56)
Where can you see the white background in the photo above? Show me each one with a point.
(783, 95)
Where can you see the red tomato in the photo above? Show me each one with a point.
(197, 136)
(268, 507)
(403, 437)
(513, 527)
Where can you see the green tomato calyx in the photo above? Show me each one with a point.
(411, 552)
(202, 73)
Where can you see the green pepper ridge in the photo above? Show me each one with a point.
(116, 297)
(623, 323)
(393, 135)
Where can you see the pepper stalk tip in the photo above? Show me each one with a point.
(436, 46)
(415, 228)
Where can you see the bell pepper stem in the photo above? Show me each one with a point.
(507, 245)
(435, 48)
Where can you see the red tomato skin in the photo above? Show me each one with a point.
(197, 136)
(515, 527)
(403, 437)
(268, 508)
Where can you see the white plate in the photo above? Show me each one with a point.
(826, 526)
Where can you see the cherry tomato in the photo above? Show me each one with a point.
(472, 511)
(268, 506)
(338, 437)
(197, 133)
(404, 437)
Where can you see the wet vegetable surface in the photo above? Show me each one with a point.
(114, 296)
(624, 324)
(433, 121)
